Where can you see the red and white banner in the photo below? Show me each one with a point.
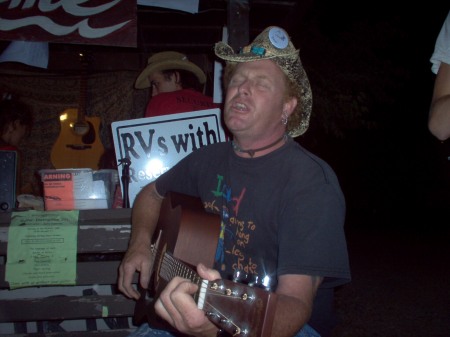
(101, 22)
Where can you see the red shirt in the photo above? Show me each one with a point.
(184, 100)
(8, 147)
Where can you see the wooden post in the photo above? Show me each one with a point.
(238, 23)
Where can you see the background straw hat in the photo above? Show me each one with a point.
(164, 61)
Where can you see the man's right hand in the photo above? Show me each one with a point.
(137, 259)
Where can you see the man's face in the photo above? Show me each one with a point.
(255, 101)
(160, 83)
(16, 133)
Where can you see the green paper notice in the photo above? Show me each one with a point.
(42, 248)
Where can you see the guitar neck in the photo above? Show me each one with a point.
(82, 102)
(172, 267)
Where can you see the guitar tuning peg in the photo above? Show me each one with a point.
(261, 282)
(240, 277)
(213, 316)
(264, 282)
(253, 282)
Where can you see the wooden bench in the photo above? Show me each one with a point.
(42, 311)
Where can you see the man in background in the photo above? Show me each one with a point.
(16, 122)
(439, 117)
(176, 85)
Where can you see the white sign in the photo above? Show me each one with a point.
(154, 144)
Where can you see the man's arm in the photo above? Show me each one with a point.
(144, 217)
(439, 117)
(295, 297)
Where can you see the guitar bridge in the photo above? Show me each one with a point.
(78, 146)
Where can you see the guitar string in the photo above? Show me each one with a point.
(172, 267)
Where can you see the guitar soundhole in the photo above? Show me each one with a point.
(81, 128)
(89, 137)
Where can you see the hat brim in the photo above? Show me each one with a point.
(142, 81)
(225, 52)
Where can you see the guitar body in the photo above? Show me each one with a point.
(185, 236)
(75, 149)
(187, 231)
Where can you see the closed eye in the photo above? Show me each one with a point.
(236, 80)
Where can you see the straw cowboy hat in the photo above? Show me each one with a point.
(164, 61)
(274, 44)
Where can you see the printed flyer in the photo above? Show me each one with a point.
(42, 248)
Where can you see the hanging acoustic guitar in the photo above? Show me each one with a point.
(78, 144)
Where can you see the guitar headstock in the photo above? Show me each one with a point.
(239, 309)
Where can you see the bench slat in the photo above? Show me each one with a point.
(88, 273)
(65, 307)
(102, 333)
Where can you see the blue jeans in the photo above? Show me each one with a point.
(146, 331)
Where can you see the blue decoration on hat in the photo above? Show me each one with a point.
(278, 37)
(258, 50)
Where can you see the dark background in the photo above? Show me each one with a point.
(372, 84)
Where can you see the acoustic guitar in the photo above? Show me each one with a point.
(186, 235)
(78, 144)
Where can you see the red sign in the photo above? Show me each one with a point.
(102, 22)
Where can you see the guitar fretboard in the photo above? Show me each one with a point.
(172, 267)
